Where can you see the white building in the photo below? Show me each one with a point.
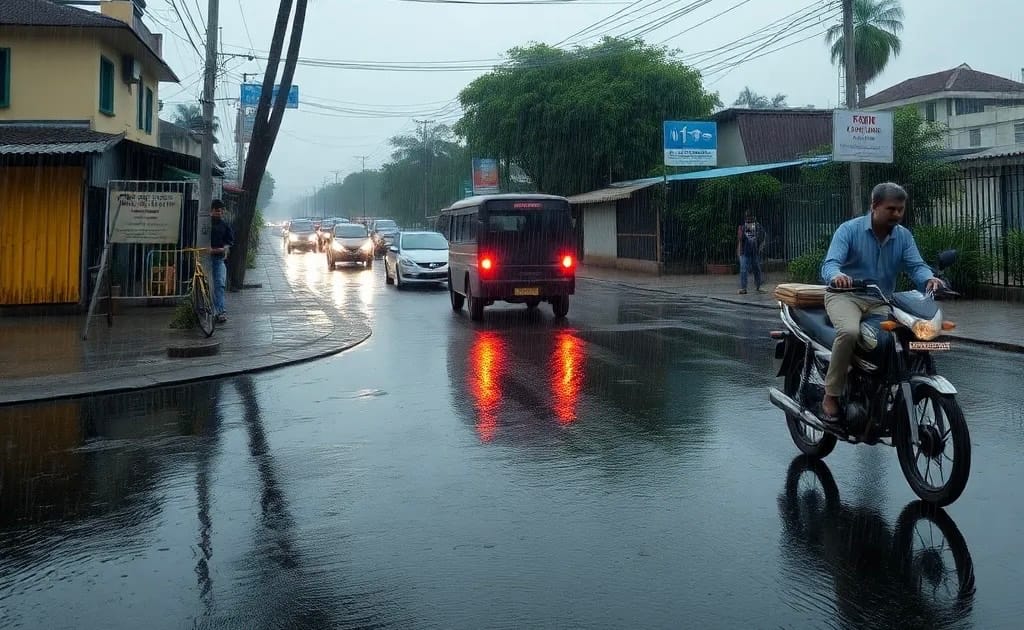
(981, 110)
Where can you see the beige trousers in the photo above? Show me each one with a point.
(846, 311)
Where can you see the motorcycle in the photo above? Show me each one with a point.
(892, 385)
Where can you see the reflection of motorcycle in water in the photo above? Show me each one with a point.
(884, 577)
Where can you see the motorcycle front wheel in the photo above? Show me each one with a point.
(938, 467)
(809, 440)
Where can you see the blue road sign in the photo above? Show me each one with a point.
(251, 95)
(691, 143)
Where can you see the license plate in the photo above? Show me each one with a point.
(930, 346)
(527, 291)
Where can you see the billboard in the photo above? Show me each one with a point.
(862, 136)
(485, 176)
(251, 95)
(690, 143)
(144, 217)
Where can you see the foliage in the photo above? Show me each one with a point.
(266, 194)
(876, 28)
(425, 174)
(806, 268)
(575, 120)
(972, 267)
(916, 144)
(184, 317)
(710, 218)
(1015, 249)
(753, 100)
(190, 116)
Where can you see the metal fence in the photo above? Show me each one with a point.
(147, 271)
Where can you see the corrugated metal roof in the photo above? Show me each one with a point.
(604, 195)
(993, 153)
(16, 139)
(726, 171)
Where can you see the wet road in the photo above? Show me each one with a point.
(623, 469)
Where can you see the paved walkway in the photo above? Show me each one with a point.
(281, 323)
(986, 322)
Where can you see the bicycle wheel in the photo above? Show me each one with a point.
(202, 304)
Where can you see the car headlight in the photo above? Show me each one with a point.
(336, 246)
(367, 246)
(405, 262)
(312, 237)
(923, 329)
(293, 237)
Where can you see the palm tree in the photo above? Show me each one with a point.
(876, 24)
(190, 116)
(753, 100)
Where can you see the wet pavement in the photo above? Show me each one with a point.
(621, 469)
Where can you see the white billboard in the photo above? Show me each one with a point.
(144, 217)
(862, 136)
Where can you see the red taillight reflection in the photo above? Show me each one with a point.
(568, 262)
(487, 366)
(567, 376)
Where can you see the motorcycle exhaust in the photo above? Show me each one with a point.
(792, 407)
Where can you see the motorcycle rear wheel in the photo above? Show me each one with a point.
(810, 441)
(934, 444)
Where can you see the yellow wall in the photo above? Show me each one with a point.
(55, 75)
(41, 227)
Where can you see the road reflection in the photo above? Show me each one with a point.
(917, 574)
(486, 373)
(567, 363)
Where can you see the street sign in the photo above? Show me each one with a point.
(467, 188)
(862, 136)
(251, 95)
(691, 143)
(485, 176)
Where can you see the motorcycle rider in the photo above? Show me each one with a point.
(875, 248)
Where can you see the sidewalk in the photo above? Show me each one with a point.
(45, 358)
(985, 322)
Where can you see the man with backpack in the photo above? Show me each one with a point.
(750, 240)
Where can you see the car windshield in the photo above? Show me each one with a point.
(424, 241)
(385, 225)
(301, 226)
(350, 231)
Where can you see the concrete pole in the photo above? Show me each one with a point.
(206, 157)
(851, 99)
(362, 179)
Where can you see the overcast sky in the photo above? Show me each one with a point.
(315, 141)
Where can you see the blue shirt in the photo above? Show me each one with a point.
(856, 252)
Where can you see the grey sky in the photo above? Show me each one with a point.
(938, 34)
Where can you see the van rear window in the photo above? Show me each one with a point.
(528, 221)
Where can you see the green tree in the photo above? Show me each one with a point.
(753, 100)
(266, 191)
(190, 116)
(577, 120)
(347, 197)
(424, 175)
(876, 25)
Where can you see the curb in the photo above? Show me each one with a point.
(195, 374)
(997, 345)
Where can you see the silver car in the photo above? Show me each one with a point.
(416, 258)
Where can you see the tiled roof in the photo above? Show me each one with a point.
(960, 79)
(53, 140)
(778, 135)
(45, 13)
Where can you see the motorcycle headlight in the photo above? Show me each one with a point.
(293, 237)
(336, 246)
(923, 329)
(312, 237)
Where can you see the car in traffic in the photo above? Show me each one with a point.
(418, 257)
(326, 230)
(300, 235)
(517, 248)
(384, 232)
(350, 242)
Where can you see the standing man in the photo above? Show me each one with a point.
(221, 237)
(749, 243)
(875, 248)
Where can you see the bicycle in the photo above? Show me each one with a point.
(199, 291)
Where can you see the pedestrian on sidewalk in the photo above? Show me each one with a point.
(221, 237)
(750, 242)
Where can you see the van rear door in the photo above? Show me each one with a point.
(527, 232)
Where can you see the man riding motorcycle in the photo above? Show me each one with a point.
(873, 247)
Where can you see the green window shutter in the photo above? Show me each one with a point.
(106, 86)
(140, 107)
(149, 110)
(5, 77)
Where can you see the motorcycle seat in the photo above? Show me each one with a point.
(815, 323)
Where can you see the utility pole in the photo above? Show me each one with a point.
(851, 98)
(206, 156)
(426, 159)
(362, 179)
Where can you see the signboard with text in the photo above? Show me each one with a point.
(862, 136)
(251, 95)
(691, 143)
(485, 176)
(144, 217)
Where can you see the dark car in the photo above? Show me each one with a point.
(301, 235)
(510, 248)
(350, 243)
(384, 232)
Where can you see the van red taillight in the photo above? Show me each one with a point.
(568, 262)
(486, 263)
